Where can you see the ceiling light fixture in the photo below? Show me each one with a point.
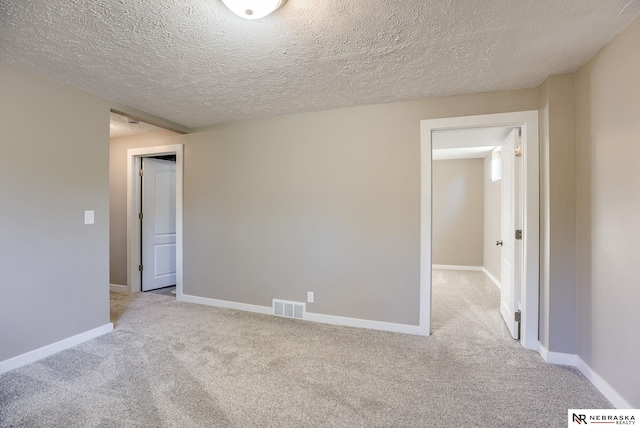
(253, 9)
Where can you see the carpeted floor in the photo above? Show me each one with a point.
(174, 364)
(166, 291)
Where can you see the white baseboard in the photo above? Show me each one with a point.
(593, 377)
(321, 318)
(360, 323)
(118, 287)
(606, 389)
(491, 277)
(457, 267)
(556, 357)
(224, 304)
(45, 351)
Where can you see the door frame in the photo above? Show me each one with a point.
(134, 192)
(528, 121)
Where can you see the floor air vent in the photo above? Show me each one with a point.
(287, 309)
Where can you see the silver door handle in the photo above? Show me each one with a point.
(498, 242)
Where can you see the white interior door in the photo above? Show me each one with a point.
(510, 265)
(158, 223)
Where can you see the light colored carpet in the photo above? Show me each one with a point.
(174, 364)
(166, 291)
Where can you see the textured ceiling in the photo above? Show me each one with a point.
(196, 63)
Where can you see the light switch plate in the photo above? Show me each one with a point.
(89, 217)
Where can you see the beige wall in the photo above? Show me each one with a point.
(543, 124)
(558, 213)
(54, 166)
(492, 216)
(458, 212)
(118, 197)
(326, 202)
(608, 228)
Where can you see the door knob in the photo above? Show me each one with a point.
(498, 242)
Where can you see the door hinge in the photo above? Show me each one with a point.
(519, 234)
(141, 173)
(140, 268)
(519, 132)
(519, 151)
(140, 216)
(518, 316)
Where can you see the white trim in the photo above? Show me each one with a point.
(556, 357)
(360, 323)
(119, 288)
(309, 316)
(491, 277)
(267, 310)
(469, 268)
(606, 389)
(133, 197)
(457, 267)
(593, 377)
(528, 121)
(45, 351)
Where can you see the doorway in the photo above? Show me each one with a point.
(528, 123)
(135, 265)
(158, 222)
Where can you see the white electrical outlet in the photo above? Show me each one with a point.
(309, 296)
(89, 217)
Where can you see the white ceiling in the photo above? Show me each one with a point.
(469, 137)
(196, 63)
(467, 143)
(462, 153)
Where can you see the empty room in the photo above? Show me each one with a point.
(216, 213)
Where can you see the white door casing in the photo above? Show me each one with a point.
(528, 121)
(134, 194)
(158, 223)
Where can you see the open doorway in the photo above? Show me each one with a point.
(132, 141)
(161, 240)
(527, 122)
(157, 216)
(476, 184)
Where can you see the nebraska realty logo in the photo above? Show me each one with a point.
(581, 417)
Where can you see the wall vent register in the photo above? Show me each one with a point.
(288, 309)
